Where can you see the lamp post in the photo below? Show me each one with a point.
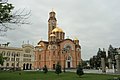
(64, 51)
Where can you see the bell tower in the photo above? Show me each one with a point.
(51, 23)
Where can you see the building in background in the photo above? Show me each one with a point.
(17, 58)
(57, 49)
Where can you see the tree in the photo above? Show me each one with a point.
(58, 69)
(2, 59)
(45, 70)
(79, 70)
(8, 17)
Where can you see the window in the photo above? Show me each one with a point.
(13, 53)
(17, 64)
(17, 59)
(54, 53)
(27, 50)
(39, 57)
(8, 59)
(69, 58)
(12, 59)
(18, 54)
(12, 64)
(7, 64)
(3, 53)
(8, 53)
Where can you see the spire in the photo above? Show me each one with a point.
(52, 9)
(52, 13)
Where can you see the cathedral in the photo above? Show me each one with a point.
(57, 49)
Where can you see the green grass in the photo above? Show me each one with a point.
(52, 76)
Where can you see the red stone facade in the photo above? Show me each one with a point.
(57, 49)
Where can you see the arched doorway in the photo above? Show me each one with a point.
(69, 62)
(53, 66)
(27, 66)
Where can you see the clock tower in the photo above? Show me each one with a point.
(51, 23)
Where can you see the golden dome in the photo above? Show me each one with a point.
(52, 35)
(39, 45)
(75, 38)
(57, 29)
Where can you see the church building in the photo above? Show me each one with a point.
(57, 49)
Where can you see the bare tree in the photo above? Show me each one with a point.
(8, 17)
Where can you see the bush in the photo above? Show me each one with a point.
(79, 70)
(58, 69)
(45, 70)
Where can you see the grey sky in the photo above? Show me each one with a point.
(95, 22)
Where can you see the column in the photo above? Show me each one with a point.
(103, 65)
(110, 63)
(117, 57)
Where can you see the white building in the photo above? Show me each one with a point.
(23, 57)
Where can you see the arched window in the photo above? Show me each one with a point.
(8, 53)
(17, 64)
(12, 64)
(7, 64)
(27, 50)
(68, 47)
(3, 53)
(13, 53)
(69, 58)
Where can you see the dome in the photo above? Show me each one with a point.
(52, 35)
(39, 45)
(57, 29)
(75, 38)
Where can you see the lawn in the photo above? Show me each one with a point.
(28, 75)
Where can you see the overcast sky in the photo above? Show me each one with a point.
(96, 23)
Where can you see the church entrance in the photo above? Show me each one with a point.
(68, 64)
(53, 66)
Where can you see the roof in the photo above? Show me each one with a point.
(57, 29)
(52, 35)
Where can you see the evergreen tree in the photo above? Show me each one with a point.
(58, 69)
(79, 70)
(45, 70)
(1, 60)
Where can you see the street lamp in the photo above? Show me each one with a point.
(64, 51)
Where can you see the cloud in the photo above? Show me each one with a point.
(94, 22)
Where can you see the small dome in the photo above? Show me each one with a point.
(52, 35)
(75, 38)
(57, 29)
(39, 45)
